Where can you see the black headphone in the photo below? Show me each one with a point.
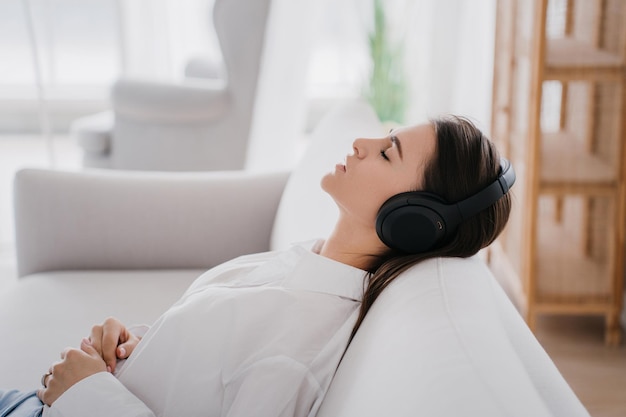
(418, 221)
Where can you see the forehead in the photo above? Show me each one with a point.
(418, 141)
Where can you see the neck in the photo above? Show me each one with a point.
(353, 245)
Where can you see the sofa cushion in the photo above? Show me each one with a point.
(448, 340)
(61, 307)
(305, 211)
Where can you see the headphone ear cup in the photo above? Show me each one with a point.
(411, 223)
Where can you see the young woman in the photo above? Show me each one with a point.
(263, 334)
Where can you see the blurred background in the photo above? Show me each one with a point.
(59, 59)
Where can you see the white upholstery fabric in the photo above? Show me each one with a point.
(201, 67)
(93, 134)
(44, 313)
(96, 132)
(141, 220)
(443, 340)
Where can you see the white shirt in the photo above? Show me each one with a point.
(257, 336)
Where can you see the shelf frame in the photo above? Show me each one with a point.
(519, 75)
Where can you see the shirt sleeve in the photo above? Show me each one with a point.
(139, 330)
(273, 387)
(99, 395)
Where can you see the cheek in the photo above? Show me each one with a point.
(352, 197)
(379, 188)
(363, 193)
(372, 196)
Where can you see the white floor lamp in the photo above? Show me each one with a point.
(44, 117)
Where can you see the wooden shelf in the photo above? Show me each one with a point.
(564, 273)
(567, 168)
(564, 241)
(571, 59)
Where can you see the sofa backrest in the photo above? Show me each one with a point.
(444, 340)
(306, 211)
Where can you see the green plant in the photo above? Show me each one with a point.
(387, 89)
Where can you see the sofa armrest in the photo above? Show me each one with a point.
(204, 67)
(194, 100)
(141, 220)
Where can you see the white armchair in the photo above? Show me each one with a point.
(442, 340)
(206, 122)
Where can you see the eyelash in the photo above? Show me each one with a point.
(384, 155)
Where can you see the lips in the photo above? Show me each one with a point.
(343, 167)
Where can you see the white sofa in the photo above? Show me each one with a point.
(443, 340)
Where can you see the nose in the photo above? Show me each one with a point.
(360, 148)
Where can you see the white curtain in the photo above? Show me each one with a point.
(159, 36)
(278, 122)
(450, 58)
(448, 54)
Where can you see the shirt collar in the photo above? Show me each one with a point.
(317, 273)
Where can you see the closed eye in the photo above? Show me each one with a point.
(384, 155)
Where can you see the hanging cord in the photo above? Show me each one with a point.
(44, 118)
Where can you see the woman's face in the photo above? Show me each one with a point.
(379, 169)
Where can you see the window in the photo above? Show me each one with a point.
(77, 45)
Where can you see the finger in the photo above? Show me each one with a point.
(111, 334)
(96, 338)
(64, 352)
(87, 347)
(47, 395)
(40, 394)
(125, 349)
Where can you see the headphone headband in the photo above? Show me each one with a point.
(476, 203)
(418, 221)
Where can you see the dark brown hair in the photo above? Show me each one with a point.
(465, 161)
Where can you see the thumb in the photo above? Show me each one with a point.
(125, 349)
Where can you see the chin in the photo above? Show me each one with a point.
(324, 182)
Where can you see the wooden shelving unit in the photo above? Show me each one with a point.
(559, 113)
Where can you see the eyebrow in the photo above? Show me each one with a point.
(394, 139)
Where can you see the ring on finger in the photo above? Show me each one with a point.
(44, 379)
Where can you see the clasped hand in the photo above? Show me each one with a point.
(107, 343)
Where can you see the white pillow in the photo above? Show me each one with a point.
(305, 211)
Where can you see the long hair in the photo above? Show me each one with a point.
(465, 161)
